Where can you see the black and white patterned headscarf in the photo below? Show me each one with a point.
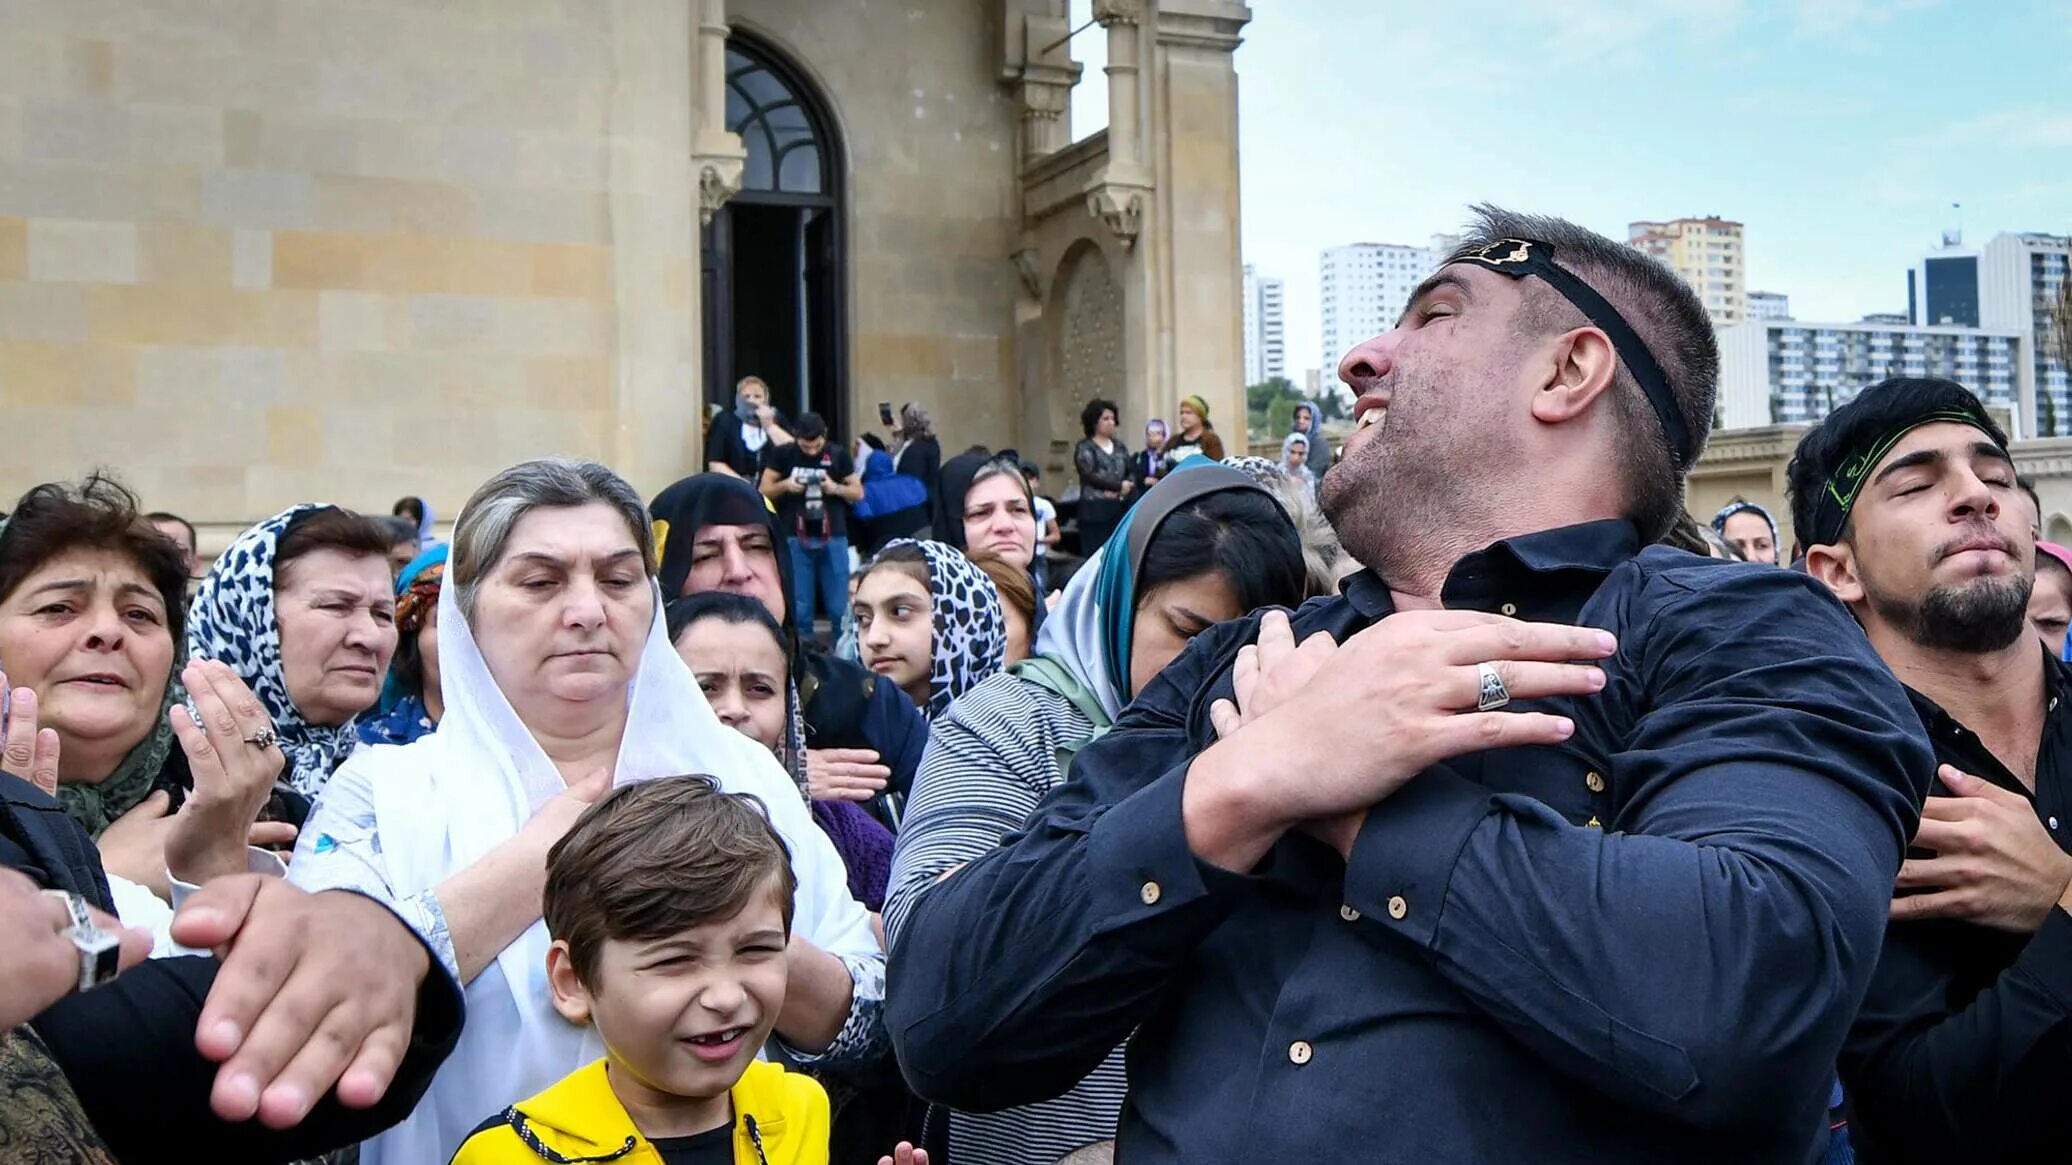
(233, 622)
(970, 631)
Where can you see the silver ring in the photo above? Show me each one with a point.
(1492, 694)
(100, 951)
(264, 738)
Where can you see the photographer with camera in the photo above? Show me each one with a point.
(812, 481)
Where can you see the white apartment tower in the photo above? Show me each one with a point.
(1266, 354)
(1366, 286)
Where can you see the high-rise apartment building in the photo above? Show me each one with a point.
(1366, 286)
(2008, 285)
(1780, 371)
(1769, 305)
(1707, 252)
(1266, 355)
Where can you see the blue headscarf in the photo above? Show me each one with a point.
(392, 691)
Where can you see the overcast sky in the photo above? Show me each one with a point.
(1839, 131)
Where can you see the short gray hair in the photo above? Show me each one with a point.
(486, 522)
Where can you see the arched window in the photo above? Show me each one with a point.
(774, 302)
(786, 154)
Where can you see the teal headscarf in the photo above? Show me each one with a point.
(1089, 631)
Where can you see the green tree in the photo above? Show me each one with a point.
(2047, 414)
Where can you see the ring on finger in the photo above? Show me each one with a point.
(265, 738)
(1491, 693)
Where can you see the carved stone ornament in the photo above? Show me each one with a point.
(1121, 208)
(718, 180)
(1025, 265)
(1107, 12)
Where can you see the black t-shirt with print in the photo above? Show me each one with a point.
(832, 460)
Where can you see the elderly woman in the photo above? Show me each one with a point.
(410, 703)
(302, 608)
(559, 680)
(90, 620)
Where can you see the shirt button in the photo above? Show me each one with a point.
(1508, 609)
(2053, 823)
(1350, 915)
(1299, 1052)
(1397, 907)
(1149, 893)
(1593, 781)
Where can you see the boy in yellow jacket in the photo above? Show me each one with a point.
(670, 904)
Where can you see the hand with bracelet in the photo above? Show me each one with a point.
(47, 953)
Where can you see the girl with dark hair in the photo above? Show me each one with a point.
(1105, 483)
(929, 621)
(1207, 544)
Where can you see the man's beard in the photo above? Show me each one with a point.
(1983, 615)
(1410, 509)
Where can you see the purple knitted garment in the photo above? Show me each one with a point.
(865, 846)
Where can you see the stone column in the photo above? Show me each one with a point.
(1193, 104)
(718, 154)
(1120, 18)
(654, 233)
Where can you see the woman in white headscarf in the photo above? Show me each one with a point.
(1207, 543)
(557, 676)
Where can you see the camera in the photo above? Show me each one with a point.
(812, 479)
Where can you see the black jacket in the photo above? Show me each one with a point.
(128, 1048)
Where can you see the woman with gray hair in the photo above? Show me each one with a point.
(559, 683)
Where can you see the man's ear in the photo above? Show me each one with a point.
(1836, 567)
(571, 998)
(1581, 369)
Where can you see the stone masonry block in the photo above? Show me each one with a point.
(66, 374)
(14, 248)
(257, 198)
(76, 131)
(68, 250)
(183, 254)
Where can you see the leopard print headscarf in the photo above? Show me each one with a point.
(970, 631)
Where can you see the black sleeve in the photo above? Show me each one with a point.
(1933, 1076)
(716, 446)
(128, 1051)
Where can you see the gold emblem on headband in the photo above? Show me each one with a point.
(661, 537)
(1504, 252)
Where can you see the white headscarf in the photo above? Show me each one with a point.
(445, 801)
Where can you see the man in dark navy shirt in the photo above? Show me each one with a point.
(1907, 502)
(1550, 848)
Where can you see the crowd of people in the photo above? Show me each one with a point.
(1452, 796)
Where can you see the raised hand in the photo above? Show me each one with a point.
(905, 1154)
(1995, 864)
(235, 763)
(845, 774)
(29, 751)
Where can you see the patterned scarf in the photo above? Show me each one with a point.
(233, 621)
(96, 805)
(970, 632)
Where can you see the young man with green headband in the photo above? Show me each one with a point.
(1907, 503)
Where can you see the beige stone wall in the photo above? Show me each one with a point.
(929, 135)
(272, 250)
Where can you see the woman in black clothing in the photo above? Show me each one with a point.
(1104, 475)
(861, 735)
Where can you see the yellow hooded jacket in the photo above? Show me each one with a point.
(780, 1118)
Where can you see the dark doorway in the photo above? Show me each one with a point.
(773, 252)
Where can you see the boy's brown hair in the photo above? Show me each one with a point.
(658, 858)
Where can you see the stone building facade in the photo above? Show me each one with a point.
(264, 251)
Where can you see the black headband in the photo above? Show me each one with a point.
(1519, 258)
(1838, 495)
